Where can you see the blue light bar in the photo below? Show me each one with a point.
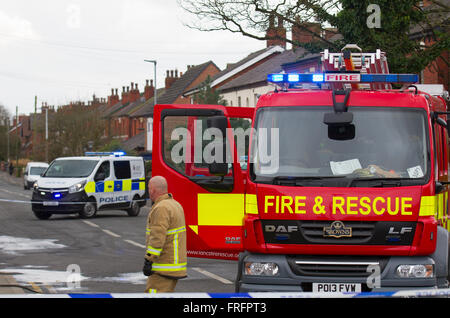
(351, 77)
(115, 153)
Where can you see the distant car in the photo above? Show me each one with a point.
(32, 173)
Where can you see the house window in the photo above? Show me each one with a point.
(247, 102)
(239, 101)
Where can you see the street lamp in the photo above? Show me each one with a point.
(150, 119)
(155, 95)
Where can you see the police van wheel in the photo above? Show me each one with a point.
(134, 208)
(89, 210)
(42, 215)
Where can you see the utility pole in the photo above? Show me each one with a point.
(33, 128)
(18, 141)
(149, 136)
(46, 134)
(7, 139)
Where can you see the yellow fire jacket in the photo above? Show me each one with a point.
(166, 237)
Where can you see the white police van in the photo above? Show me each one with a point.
(85, 185)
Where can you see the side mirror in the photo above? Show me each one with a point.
(442, 122)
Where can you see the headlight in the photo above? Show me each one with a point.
(261, 269)
(415, 271)
(77, 187)
(35, 186)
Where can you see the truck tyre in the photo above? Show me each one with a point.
(89, 210)
(42, 215)
(135, 207)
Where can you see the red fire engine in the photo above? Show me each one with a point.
(334, 182)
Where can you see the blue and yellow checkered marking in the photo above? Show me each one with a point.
(115, 186)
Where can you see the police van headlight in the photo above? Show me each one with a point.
(261, 269)
(77, 187)
(415, 271)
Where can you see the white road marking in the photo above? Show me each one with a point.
(91, 224)
(134, 243)
(213, 276)
(111, 233)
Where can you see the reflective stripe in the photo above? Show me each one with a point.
(114, 186)
(168, 267)
(176, 230)
(175, 248)
(154, 251)
(220, 209)
(152, 291)
(428, 206)
(251, 204)
(147, 231)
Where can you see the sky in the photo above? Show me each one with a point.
(68, 50)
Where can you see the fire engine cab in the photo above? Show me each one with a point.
(344, 187)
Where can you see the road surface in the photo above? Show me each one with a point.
(67, 254)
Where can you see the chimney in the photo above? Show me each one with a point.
(149, 90)
(113, 98)
(134, 93)
(170, 78)
(125, 93)
(302, 36)
(278, 32)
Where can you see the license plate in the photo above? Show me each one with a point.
(336, 288)
(51, 203)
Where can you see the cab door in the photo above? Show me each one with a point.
(204, 174)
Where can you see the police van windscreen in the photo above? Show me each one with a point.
(294, 142)
(35, 171)
(70, 168)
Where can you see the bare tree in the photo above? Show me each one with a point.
(401, 33)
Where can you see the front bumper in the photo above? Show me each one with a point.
(292, 277)
(67, 203)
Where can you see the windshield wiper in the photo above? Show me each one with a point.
(380, 182)
(300, 181)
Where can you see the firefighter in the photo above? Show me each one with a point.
(166, 256)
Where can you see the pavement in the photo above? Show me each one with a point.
(8, 285)
(10, 179)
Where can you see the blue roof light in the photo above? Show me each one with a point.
(317, 78)
(114, 153)
(337, 77)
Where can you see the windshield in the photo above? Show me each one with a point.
(37, 170)
(389, 143)
(70, 168)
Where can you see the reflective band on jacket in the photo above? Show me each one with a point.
(168, 267)
(176, 230)
(154, 251)
(157, 251)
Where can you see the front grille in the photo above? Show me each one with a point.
(47, 194)
(334, 267)
(351, 269)
(337, 232)
(313, 232)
